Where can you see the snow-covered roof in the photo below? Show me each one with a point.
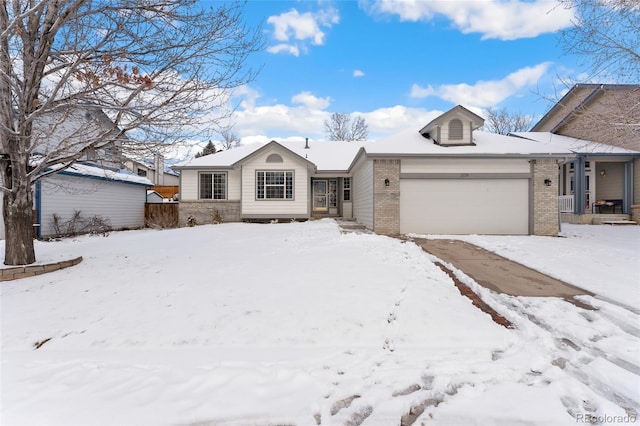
(411, 142)
(576, 146)
(325, 155)
(328, 155)
(222, 158)
(120, 175)
(339, 156)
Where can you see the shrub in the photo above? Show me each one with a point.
(217, 217)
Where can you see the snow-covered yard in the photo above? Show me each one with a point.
(246, 324)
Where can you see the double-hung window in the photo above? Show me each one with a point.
(213, 186)
(346, 187)
(274, 185)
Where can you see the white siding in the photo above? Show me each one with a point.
(462, 165)
(362, 193)
(298, 206)
(121, 203)
(347, 209)
(169, 180)
(1, 214)
(189, 184)
(234, 189)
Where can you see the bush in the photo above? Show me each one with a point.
(76, 225)
(217, 217)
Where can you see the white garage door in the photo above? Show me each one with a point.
(464, 206)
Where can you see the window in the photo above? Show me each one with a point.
(274, 185)
(213, 186)
(142, 172)
(346, 189)
(274, 158)
(455, 129)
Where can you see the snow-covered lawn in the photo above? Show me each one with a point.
(246, 324)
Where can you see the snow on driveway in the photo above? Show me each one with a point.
(294, 324)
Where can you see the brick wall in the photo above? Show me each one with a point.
(203, 211)
(635, 213)
(545, 198)
(17, 272)
(386, 199)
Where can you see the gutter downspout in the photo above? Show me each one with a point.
(38, 207)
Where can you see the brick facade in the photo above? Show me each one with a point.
(203, 211)
(386, 199)
(545, 198)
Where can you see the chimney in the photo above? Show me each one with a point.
(158, 164)
(306, 143)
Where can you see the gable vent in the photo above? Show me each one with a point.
(455, 129)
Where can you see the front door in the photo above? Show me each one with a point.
(325, 196)
(320, 195)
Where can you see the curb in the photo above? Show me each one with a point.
(18, 272)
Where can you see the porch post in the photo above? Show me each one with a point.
(578, 175)
(627, 191)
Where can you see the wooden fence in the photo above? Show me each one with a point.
(161, 215)
(167, 191)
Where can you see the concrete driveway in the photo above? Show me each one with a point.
(498, 273)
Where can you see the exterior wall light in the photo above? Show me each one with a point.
(603, 172)
(386, 182)
(547, 182)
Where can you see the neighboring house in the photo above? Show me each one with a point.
(116, 197)
(94, 186)
(154, 197)
(600, 123)
(157, 172)
(443, 178)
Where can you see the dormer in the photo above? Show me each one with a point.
(453, 128)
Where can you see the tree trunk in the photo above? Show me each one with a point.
(18, 230)
(18, 218)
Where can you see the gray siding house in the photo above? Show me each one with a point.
(446, 177)
(117, 197)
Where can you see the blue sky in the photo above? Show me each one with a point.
(398, 64)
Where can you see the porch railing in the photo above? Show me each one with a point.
(566, 203)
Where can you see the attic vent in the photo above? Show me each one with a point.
(274, 158)
(455, 129)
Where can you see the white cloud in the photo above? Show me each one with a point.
(505, 20)
(306, 114)
(388, 121)
(358, 73)
(292, 28)
(310, 101)
(286, 48)
(484, 93)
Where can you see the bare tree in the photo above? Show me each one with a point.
(503, 122)
(229, 139)
(342, 127)
(606, 36)
(154, 67)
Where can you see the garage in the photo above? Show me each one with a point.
(464, 206)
